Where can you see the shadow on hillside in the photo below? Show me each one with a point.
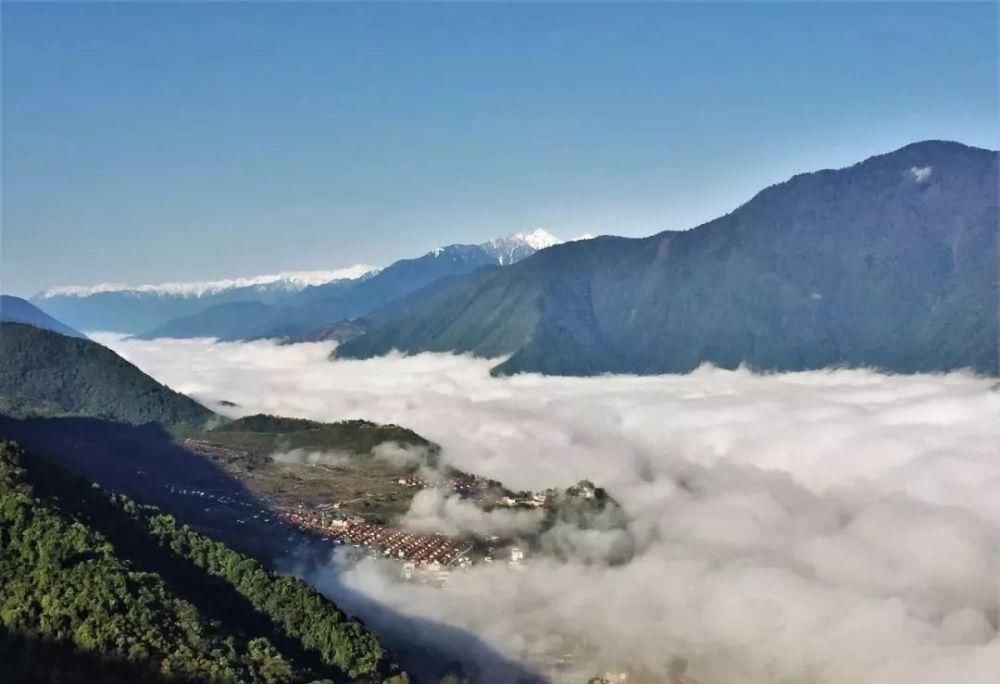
(118, 455)
(29, 660)
(147, 464)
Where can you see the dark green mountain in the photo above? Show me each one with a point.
(96, 588)
(44, 372)
(17, 310)
(354, 436)
(889, 263)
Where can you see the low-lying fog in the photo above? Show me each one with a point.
(828, 527)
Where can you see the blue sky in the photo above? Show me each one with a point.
(178, 141)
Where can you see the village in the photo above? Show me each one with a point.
(423, 556)
(359, 505)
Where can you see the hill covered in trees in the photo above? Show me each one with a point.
(43, 372)
(356, 436)
(93, 580)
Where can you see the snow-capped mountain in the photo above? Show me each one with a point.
(290, 304)
(288, 281)
(505, 250)
(138, 308)
(512, 248)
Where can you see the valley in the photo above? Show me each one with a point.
(500, 343)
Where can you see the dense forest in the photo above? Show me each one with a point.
(96, 588)
(356, 436)
(45, 372)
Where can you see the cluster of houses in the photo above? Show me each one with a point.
(417, 549)
(464, 483)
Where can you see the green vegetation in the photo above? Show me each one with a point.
(358, 436)
(88, 577)
(262, 422)
(42, 372)
(347, 470)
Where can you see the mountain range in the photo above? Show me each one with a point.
(308, 311)
(890, 263)
(288, 305)
(136, 309)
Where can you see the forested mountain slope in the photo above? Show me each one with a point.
(45, 372)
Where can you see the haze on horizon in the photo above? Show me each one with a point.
(192, 142)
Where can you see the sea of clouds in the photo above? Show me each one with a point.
(830, 527)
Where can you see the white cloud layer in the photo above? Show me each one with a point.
(434, 511)
(830, 527)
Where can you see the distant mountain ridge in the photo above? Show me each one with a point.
(17, 310)
(306, 313)
(288, 280)
(889, 263)
(135, 309)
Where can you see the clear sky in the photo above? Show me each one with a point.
(180, 141)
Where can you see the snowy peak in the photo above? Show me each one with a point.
(503, 250)
(536, 239)
(513, 248)
(289, 281)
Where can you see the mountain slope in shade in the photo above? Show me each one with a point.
(44, 372)
(229, 321)
(890, 263)
(134, 309)
(17, 310)
(314, 309)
